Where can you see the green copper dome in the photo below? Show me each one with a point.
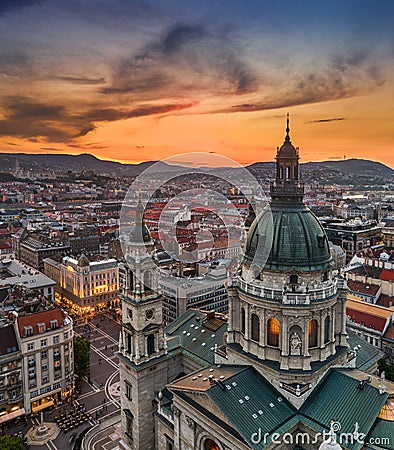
(287, 237)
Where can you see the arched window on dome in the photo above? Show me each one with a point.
(327, 321)
(312, 333)
(273, 330)
(255, 321)
(243, 320)
(210, 444)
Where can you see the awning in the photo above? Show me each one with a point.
(12, 415)
(42, 406)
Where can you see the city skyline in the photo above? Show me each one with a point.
(136, 81)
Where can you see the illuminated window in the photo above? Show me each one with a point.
(209, 444)
(255, 327)
(312, 333)
(273, 332)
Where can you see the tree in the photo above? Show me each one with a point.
(11, 443)
(387, 368)
(81, 357)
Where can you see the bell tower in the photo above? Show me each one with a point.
(141, 342)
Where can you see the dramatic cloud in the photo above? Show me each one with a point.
(55, 122)
(185, 60)
(342, 77)
(79, 80)
(334, 119)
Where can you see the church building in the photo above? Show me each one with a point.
(283, 372)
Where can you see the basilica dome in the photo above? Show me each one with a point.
(286, 237)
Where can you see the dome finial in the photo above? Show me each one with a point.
(287, 127)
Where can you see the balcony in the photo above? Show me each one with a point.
(32, 375)
(14, 399)
(57, 356)
(14, 385)
(300, 297)
(31, 363)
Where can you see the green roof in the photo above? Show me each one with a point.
(189, 332)
(262, 407)
(338, 398)
(382, 434)
(368, 355)
(286, 237)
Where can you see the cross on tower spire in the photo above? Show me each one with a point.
(287, 138)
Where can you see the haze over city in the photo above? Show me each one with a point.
(142, 80)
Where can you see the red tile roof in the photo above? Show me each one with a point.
(385, 300)
(367, 314)
(42, 317)
(390, 332)
(363, 288)
(387, 275)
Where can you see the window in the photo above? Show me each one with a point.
(327, 329)
(273, 332)
(65, 336)
(44, 355)
(30, 346)
(28, 331)
(255, 328)
(43, 342)
(129, 423)
(41, 327)
(55, 339)
(45, 379)
(312, 333)
(325, 276)
(128, 390)
(209, 444)
(44, 367)
(243, 320)
(150, 342)
(169, 443)
(293, 279)
(54, 324)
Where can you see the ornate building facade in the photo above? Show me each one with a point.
(284, 366)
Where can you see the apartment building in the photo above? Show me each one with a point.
(46, 342)
(11, 388)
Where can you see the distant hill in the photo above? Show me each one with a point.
(86, 161)
(362, 167)
(81, 162)
(355, 167)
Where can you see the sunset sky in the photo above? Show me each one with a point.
(143, 80)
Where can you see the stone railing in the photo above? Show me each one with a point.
(286, 297)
